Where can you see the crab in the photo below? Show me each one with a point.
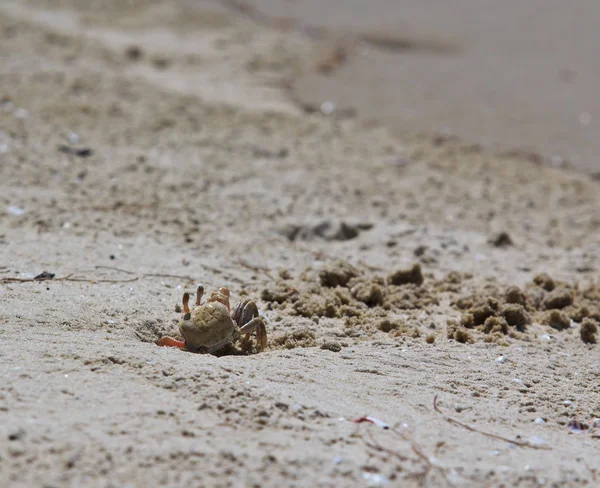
(210, 327)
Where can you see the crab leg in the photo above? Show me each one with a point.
(248, 319)
(169, 341)
(256, 324)
(237, 314)
(245, 312)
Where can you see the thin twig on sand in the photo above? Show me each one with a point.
(114, 268)
(41, 277)
(165, 275)
(428, 466)
(69, 277)
(45, 276)
(93, 280)
(487, 434)
(256, 269)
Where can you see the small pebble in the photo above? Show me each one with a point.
(327, 107)
(500, 359)
(11, 209)
(539, 420)
(73, 138)
(537, 441)
(21, 113)
(375, 479)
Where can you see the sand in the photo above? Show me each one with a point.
(508, 74)
(149, 146)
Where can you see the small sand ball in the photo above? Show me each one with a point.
(557, 299)
(516, 315)
(515, 295)
(370, 294)
(463, 303)
(545, 281)
(386, 325)
(349, 311)
(300, 337)
(343, 294)
(278, 294)
(331, 306)
(314, 305)
(405, 276)
(430, 339)
(484, 310)
(454, 277)
(588, 331)
(467, 320)
(338, 274)
(494, 325)
(458, 333)
(462, 335)
(558, 320)
(581, 313)
(535, 298)
(284, 274)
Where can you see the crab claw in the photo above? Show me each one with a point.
(170, 342)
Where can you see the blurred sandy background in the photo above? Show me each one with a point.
(508, 74)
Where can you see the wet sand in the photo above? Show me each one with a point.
(514, 75)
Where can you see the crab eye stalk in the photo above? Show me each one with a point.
(186, 300)
(199, 293)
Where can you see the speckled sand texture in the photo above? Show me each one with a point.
(150, 147)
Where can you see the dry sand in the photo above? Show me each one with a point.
(148, 147)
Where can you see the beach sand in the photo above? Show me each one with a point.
(444, 289)
(511, 74)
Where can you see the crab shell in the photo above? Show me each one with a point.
(208, 328)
